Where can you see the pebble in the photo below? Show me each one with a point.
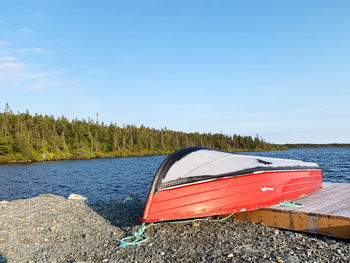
(2, 259)
(50, 228)
(291, 259)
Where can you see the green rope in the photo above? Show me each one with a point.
(139, 234)
(183, 221)
(222, 219)
(290, 204)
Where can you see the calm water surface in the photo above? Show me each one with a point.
(101, 180)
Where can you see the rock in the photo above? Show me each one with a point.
(196, 224)
(133, 201)
(230, 255)
(2, 259)
(291, 259)
(76, 197)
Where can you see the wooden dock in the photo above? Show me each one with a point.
(326, 212)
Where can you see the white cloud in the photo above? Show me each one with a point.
(23, 50)
(34, 50)
(8, 58)
(96, 71)
(25, 30)
(12, 67)
(3, 42)
(25, 77)
(35, 87)
(41, 50)
(17, 74)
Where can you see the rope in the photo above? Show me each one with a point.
(222, 219)
(290, 204)
(139, 234)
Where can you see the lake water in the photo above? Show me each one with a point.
(101, 180)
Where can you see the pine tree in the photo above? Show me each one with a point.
(3, 146)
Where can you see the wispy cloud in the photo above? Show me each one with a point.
(21, 75)
(12, 66)
(96, 71)
(25, 30)
(18, 74)
(8, 58)
(24, 50)
(3, 42)
(34, 50)
(35, 87)
(15, 73)
(41, 50)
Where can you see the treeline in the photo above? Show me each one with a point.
(24, 137)
(312, 145)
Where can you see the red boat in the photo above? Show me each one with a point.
(198, 182)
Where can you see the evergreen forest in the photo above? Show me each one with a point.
(25, 138)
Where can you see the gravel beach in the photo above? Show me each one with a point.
(50, 228)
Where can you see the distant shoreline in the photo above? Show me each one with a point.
(112, 157)
(318, 146)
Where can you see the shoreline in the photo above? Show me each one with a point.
(50, 228)
(150, 154)
(114, 157)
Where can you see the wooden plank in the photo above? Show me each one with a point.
(326, 212)
(330, 197)
(317, 200)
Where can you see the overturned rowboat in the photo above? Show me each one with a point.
(198, 182)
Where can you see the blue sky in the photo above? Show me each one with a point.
(280, 69)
